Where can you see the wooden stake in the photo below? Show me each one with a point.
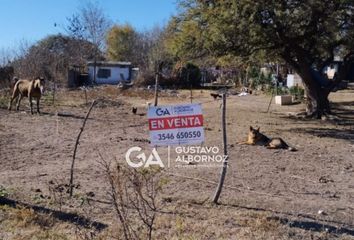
(156, 89)
(54, 89)
(191, 87)
(85, 95)
(270, 102)
(224, 165)
(75, 149)
(191, 94)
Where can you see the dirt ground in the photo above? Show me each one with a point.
(268, 194)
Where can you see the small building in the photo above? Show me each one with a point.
(77, 76)
(110, 72)
(294, 80)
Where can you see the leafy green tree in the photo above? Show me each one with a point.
(307, 35)
(121, 43)
(144, 49)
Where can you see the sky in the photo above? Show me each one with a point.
(32, 20)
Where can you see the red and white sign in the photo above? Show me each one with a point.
(176, 125)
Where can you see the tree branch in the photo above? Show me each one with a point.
(75, 149)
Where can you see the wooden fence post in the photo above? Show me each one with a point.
(54, 89)
(191, 87)
(224, 165)
(156, 89)
(191, 91)
(85, 95)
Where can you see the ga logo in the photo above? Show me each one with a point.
(162, 112)
(141, 160)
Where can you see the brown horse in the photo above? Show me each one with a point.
(28, 88)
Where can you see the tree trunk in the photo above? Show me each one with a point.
(317, 103)
(317, 87)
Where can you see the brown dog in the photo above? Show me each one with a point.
(257, 138)
(28, 88)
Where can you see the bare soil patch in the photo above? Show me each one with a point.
(268, 194)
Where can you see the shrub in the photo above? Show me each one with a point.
(135, 197)
(149, 78)
(297, 91)
(145, 78)
(186, 75)
(276, 91)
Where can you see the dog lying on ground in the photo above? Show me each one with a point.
(257, 138)
(28, 88)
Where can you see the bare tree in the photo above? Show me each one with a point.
(50, 57)
(91, 24)
(152, 55)
(22, 62)
(5, 56)
(6, 70)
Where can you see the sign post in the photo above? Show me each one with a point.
(224, 166)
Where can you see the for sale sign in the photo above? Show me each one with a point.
(176, 125)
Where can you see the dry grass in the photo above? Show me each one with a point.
(77, 98)
(4, 101)
(24, 224)
(260, 226)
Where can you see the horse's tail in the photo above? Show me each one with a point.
(286, 146)
(14, 82)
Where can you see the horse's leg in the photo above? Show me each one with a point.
(18, 102)
(10, 103)
(14, 95)
(38, 105)
(30, 102)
